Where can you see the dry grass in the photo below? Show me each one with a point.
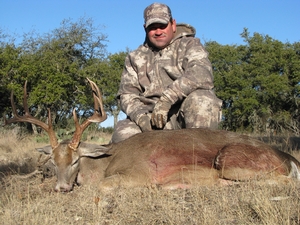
(33, 201)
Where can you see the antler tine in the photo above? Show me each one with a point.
(30, 119)
(98, 116)
(98, 101)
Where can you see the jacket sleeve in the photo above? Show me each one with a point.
(197, 72)
(130, 91)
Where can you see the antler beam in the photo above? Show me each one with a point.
(30, 119)
(98, 116)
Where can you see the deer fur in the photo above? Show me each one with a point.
(167, 158)
(172, 159)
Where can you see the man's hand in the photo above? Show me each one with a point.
(160, 112)
(144, 123)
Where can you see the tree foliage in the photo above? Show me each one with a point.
(54, 66)
(258, 83)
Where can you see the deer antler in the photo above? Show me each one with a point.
(98, 116)
(30, 119)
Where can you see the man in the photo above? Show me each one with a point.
(167, 82)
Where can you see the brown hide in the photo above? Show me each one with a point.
(170, 158)
(180, 158)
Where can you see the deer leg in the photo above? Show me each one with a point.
(244, 162)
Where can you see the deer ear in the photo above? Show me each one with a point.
(92, 150)
(46, 150)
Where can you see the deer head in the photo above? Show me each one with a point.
(65, 155)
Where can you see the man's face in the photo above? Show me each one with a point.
(160, 35)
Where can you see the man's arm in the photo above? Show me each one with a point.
(130, 93)
(197, 72)
(197, 75)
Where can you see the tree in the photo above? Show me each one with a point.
(232, 84)
(258, 82)
(9, 62)
(54, 65)
(275, 85)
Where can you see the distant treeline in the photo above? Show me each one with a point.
(259, 82)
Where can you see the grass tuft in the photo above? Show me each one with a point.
(33, 200)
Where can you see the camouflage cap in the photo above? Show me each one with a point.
(157, 13)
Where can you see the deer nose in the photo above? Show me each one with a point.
(63, 187)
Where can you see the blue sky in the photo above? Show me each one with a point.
(215, 20)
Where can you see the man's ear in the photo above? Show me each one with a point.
(174, 26)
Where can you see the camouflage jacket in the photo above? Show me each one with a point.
(175, 71)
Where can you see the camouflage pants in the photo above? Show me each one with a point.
(199, 109)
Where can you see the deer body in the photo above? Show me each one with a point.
(169, 158)
(177, 159)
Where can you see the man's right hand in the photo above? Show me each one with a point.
(145, 123)
(160, 112)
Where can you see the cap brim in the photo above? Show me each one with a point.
(156, 20)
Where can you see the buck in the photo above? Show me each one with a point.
(168, 158)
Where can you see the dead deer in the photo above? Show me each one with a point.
(168, 158)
